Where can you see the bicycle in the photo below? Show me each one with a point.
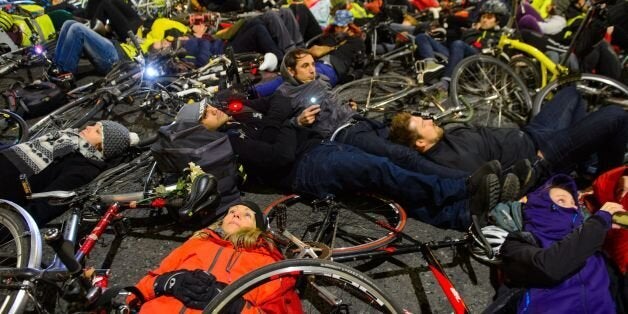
(23, 283)
(506, 94)
(341, 230)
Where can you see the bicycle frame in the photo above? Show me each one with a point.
(547, 65)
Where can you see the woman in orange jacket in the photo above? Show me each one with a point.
(194, 273)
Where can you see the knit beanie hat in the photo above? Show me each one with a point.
(116, 138)
(260, 219)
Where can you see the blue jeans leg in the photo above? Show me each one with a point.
(457, 51)
(428, 46)
(372, 137)
(334, 168)
(100, 50)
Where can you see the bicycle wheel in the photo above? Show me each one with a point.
(13, 129)
(499, 96)
(16, 251)
(528, 70)
(597, 90)
(363, 223)
(373, 90)
(323, 287)
(72, 115)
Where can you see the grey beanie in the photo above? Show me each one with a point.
(116, 138)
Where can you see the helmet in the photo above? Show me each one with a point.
(6, 20)
(495, 236)
(343, 18)
(496, 7)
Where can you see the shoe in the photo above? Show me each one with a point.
(432, 66)
(477, 178)
(523, 170)
(510, 188)
(484, 199)
(63, 79)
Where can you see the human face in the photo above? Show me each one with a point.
(562, 198)
(93, 135)
(213, 118)
(238, 217)
(428, 132)
(341, 29)
(304, 70)
(199, 29)
(488, 21)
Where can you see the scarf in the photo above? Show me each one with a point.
(35, 155)
(333, 114)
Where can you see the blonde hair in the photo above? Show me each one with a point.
(245, 238)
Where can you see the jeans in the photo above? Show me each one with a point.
(254, 36)
(268, 88)
(428, 45)
(567, 135)
(372, 137)
(458, 50)
(75, 38)
(332, 168)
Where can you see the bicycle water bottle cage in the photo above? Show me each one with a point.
(203, 197)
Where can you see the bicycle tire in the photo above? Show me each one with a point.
(16, 251)
(381, 87)
(72, 115)
(13, 129)
(528, 69)
(357, 292)
(590, 86)
(365, 223)
(499, 87)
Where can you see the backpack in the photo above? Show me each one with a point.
(183, 142)
(35, 99)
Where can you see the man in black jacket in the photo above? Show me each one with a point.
(297, 159)
(559, 137)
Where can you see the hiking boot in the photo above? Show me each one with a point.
(523, 170)
(484, 199)
(510, 188)
(477, 178)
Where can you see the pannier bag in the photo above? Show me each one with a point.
(35, 99)
(183, 142)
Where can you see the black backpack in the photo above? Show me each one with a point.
(35, 99)
(181, 143)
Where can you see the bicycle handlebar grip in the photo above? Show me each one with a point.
(64, 250)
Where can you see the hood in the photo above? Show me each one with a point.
(604, 186)
(283, 69)
(545, 219)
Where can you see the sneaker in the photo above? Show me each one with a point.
(484, 199)
(432, 66)
(510, 188)
(477, 178)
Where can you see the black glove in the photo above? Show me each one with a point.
(193, 288)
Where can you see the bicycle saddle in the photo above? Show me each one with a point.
(203, 197)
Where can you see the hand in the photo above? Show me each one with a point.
(612, 208)
(319, 51)
(193, 288)
(308, 116)
(353, 105)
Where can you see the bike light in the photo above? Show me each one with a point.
(313, 100)
(151, 72)
(235, 106)
(39, 49)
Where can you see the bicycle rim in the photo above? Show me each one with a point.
(375, 89)
(320, 283)
(528, 70)
(15, 252)
(499, 97)
(364, 223)
(597, 91)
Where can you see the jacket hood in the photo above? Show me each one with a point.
(605, 185)
(548, 221)
(283, 69)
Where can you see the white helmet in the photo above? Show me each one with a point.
(495, 236)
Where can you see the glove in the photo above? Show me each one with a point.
(193, 288)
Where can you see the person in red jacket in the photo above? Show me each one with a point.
(194, 273)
